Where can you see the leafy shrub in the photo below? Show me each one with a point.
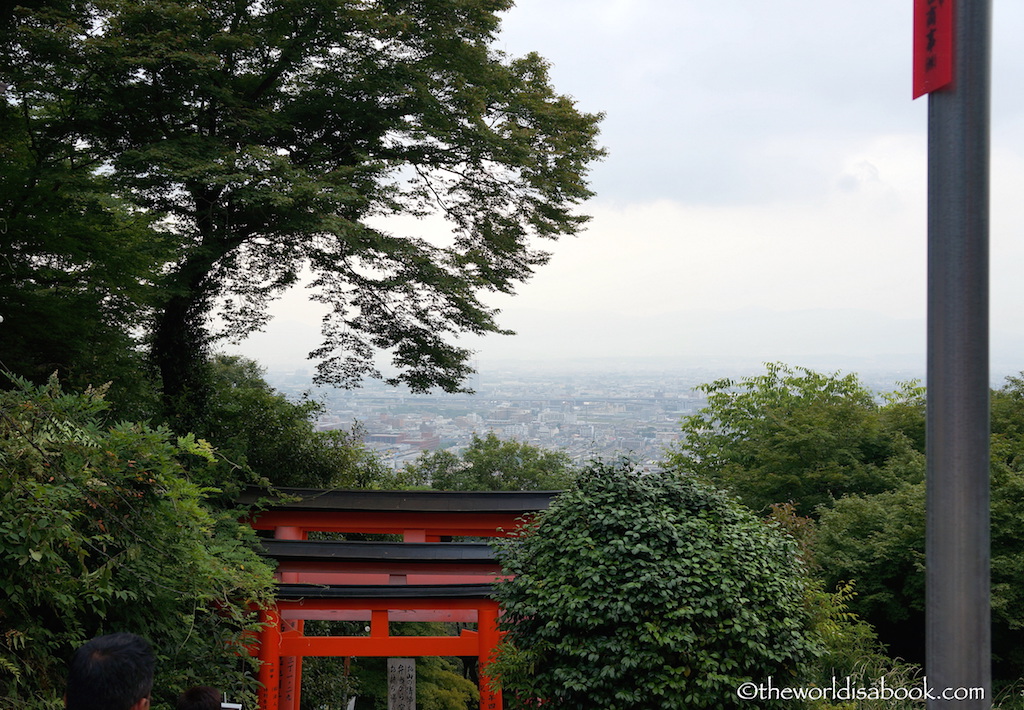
(102, 530)
(649, 590)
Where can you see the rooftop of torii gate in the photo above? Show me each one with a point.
(412, 514)
(424, 577)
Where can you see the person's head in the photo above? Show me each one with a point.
(201, 697)
(113, 672)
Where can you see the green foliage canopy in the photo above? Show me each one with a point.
(265, 433)
(649, 590)
(492, 464)
(795, 435)
(101, 530)
(850, 646)
(76, 265)
(879, 541)
(259, 139)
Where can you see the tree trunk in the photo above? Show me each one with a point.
(180, 341)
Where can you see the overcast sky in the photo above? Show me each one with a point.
(763, 197)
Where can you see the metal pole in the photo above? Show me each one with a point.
(958, 637)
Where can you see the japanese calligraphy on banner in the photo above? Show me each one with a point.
(933, 45)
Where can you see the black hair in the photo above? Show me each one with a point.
(201, 697)
(110, 672)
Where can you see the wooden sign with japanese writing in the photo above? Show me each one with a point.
(401, 684)
(933, 45)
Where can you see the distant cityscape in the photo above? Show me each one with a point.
(586, 414)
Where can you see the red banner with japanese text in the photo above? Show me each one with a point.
(933, 45)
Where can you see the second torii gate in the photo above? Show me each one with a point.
(419, 579)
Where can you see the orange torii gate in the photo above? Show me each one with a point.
(418, 579)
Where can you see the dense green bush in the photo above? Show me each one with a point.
(102, 530)
(879, 541)
(650, 590)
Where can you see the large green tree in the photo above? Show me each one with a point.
(649, 590)
(879, 542)
(269, 137)
(74, 267)
(795, 435)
